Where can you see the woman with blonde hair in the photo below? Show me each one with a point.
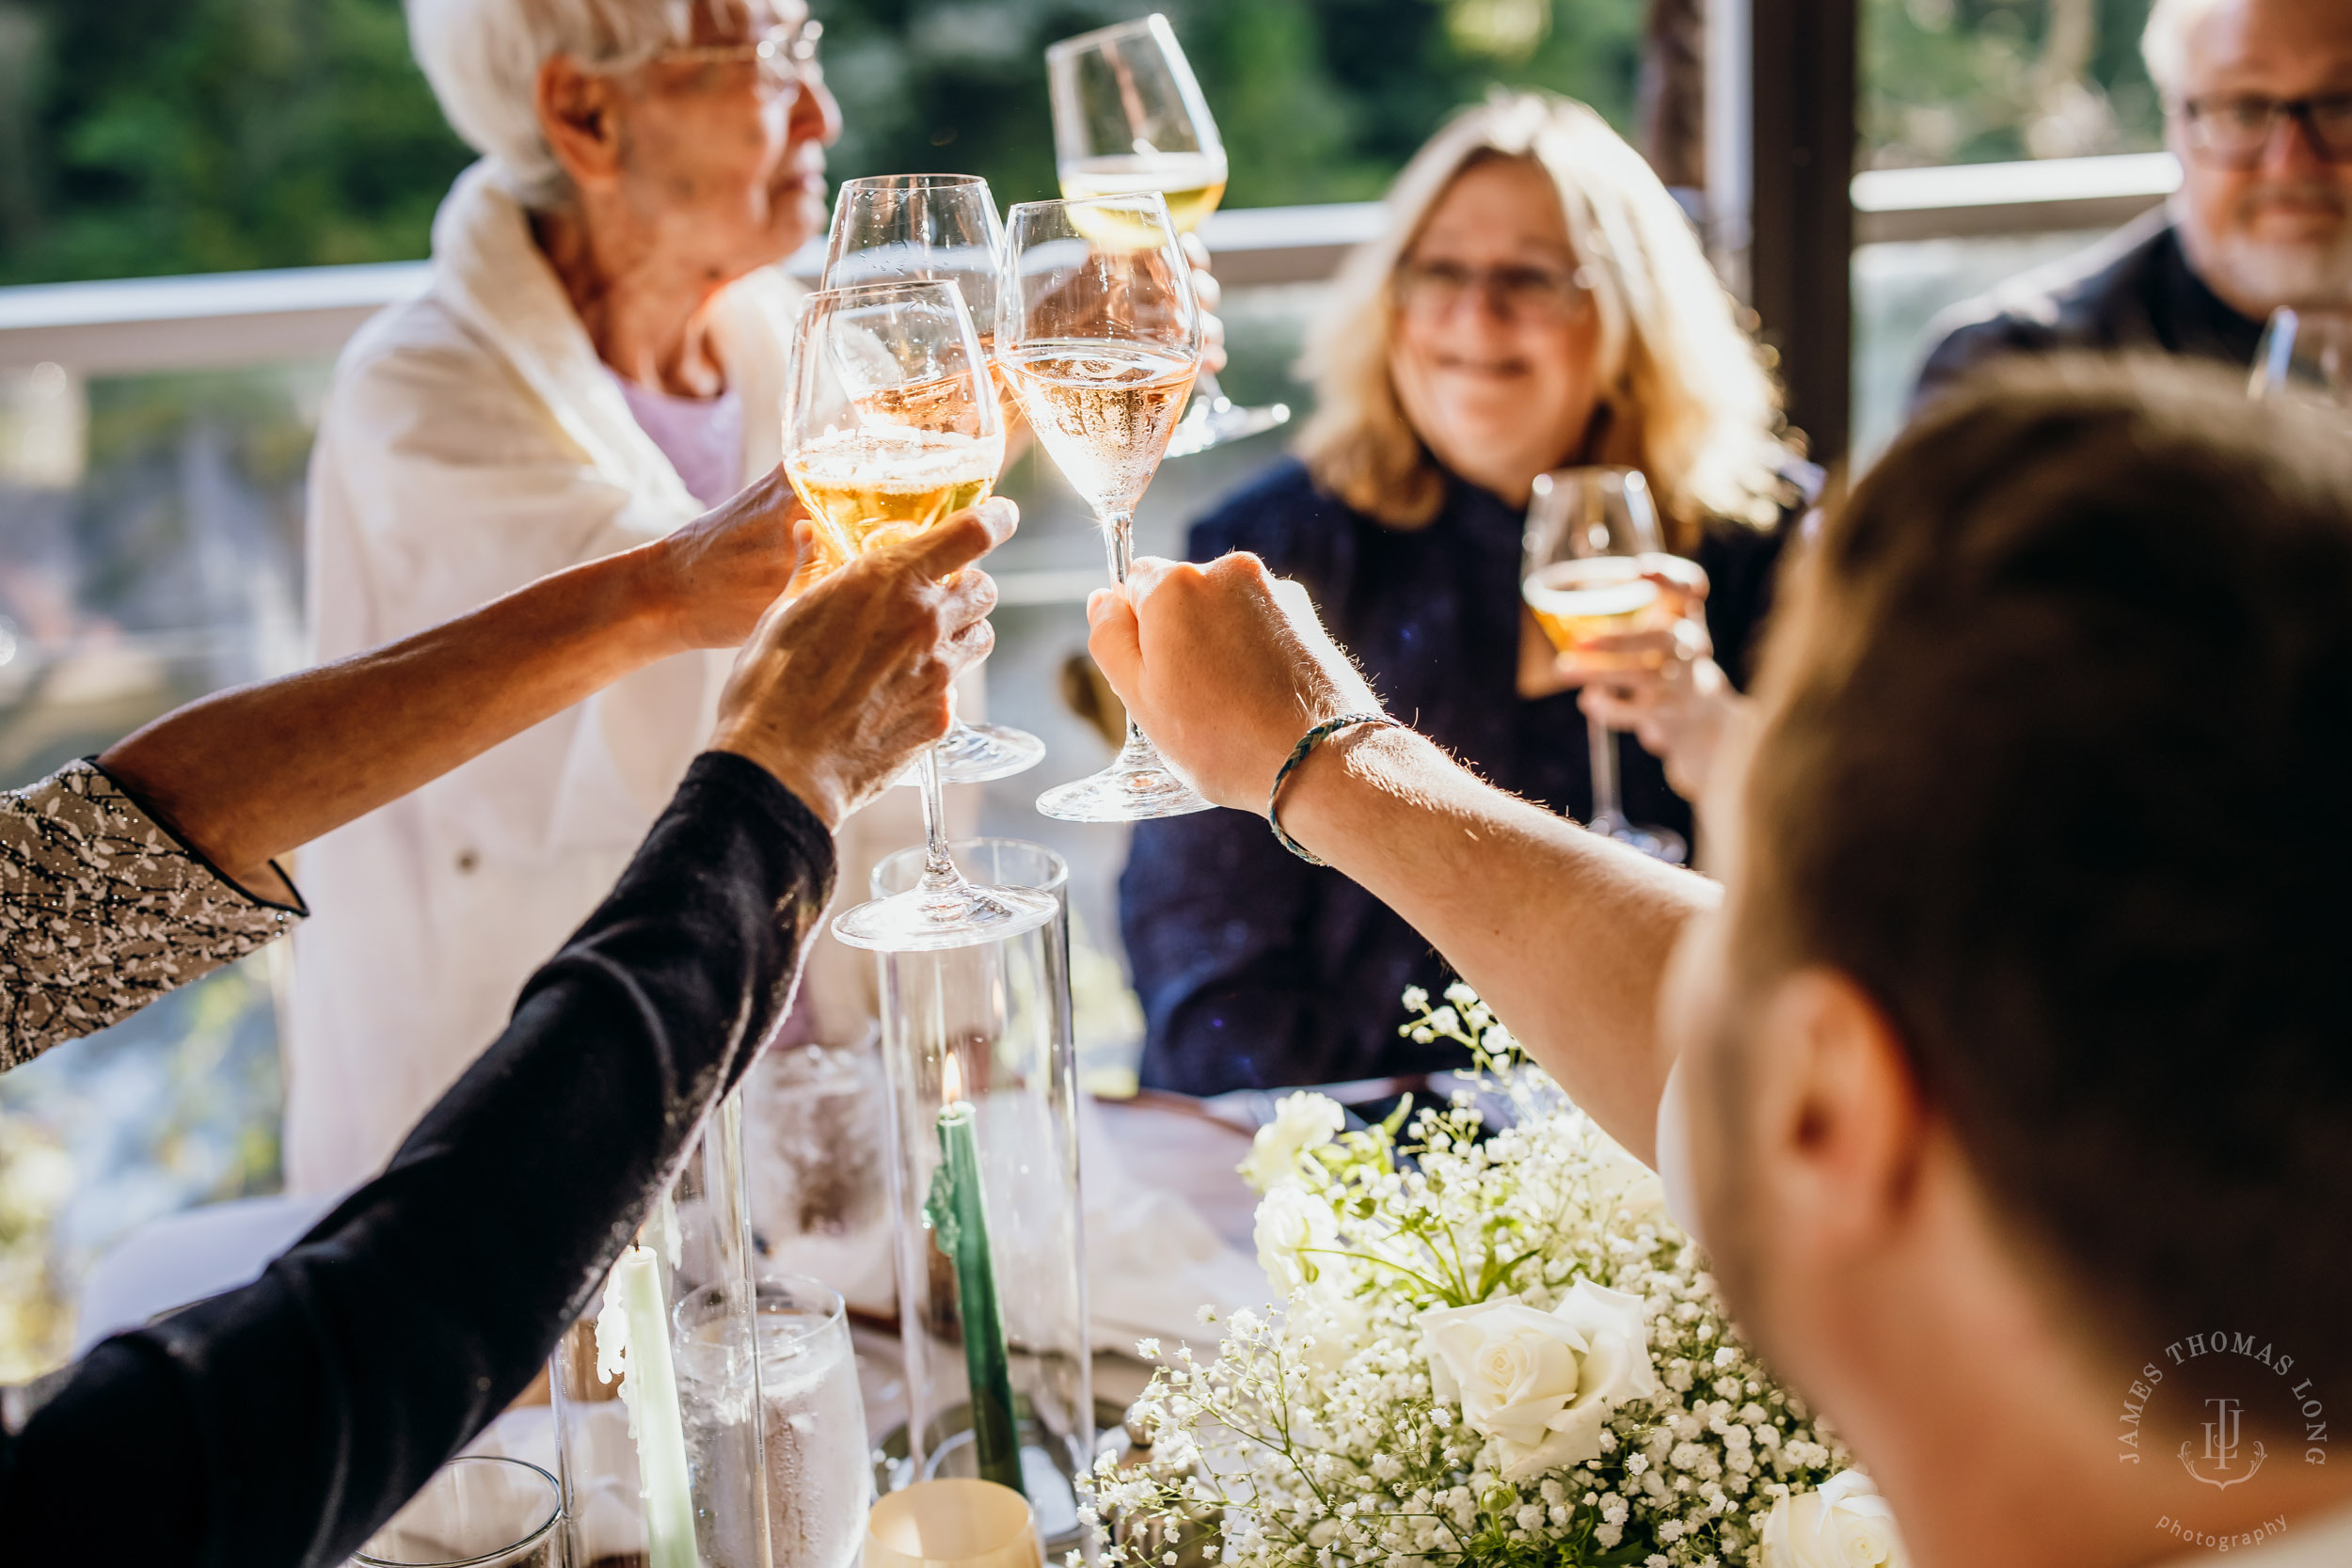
(1539, 301)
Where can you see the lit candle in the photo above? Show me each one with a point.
(958, 1215)
(636, 1321)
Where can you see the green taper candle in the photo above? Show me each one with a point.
(958, 1214)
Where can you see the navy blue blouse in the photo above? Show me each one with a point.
(1258, 969)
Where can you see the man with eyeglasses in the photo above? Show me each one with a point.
(2258, 108)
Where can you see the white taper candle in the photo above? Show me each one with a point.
(633, 1302)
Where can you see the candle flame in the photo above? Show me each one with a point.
(953, 1079)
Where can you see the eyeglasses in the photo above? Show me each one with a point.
(2235, 129)
(787, 54)
(1522, 294)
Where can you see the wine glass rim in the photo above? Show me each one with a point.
(1544, 480)
(1121, 198)
(887, 286)
(901, 181)
(1154, 22)
(537, 1533)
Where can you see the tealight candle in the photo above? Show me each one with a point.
(952, 1524)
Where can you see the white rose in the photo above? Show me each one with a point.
(1540, 1384)
(1301, 1122)
(1844, 1525)
(1292, 1226)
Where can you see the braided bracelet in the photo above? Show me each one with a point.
(1298, 753)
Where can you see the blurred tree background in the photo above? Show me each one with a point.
(1985, 81)
(155, 137)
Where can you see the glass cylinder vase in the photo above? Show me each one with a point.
(671, 1475)
(981, 1064)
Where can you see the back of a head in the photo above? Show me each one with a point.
(2055, 762)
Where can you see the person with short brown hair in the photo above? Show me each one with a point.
(2005, 1072)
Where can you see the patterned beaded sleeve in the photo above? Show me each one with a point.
(103, 911)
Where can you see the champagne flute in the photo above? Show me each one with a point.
(891, 427)
(1587, 531)
(1129, 117)
(943, 227)
(2307, 352)
(1100, 337)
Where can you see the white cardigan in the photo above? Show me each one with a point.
(471, 442)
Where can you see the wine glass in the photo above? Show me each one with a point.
(1097, 332)
(1129, 117)
(891, 427)
(1587, 531)
(2307, 352)
(943, 227)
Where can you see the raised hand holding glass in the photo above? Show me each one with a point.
(1129, 118)
(892, 427)
(1101, 339)
(1587, 530)
(939, 228)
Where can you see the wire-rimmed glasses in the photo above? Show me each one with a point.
(1587, 532)
(785, 54)
(892, 427)
(940, 227)
(2233, 130)
(1100, 337)
(1129, 117)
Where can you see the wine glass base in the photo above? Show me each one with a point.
(1659, 844)
(1210, 424)
(927, 919)
(979, 754)
(1122, 794)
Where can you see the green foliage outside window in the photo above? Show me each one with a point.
(1984, 81)
(155, 137)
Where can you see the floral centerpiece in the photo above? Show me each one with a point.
(1495, 1350)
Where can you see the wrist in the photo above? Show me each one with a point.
(1332, 737)
(815, 785)
(648, 600)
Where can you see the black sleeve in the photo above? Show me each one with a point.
(1969, 344)
(282, 1422)
(1743, 566)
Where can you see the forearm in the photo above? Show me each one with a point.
(1564, 933)
(278, 1423)
(245, 776)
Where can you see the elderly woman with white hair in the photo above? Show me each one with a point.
(598, 359)
(1539, 301)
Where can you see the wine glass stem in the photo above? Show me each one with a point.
(1603, 742)
(1119, 543)
(939, 870)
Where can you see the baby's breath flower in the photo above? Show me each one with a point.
(1348, 1460)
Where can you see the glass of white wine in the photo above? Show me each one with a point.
(1098, 332)
(1129, 117)
(891, 427)
(941, 227)
(1587, 532)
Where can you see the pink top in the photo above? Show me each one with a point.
(703, 438)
